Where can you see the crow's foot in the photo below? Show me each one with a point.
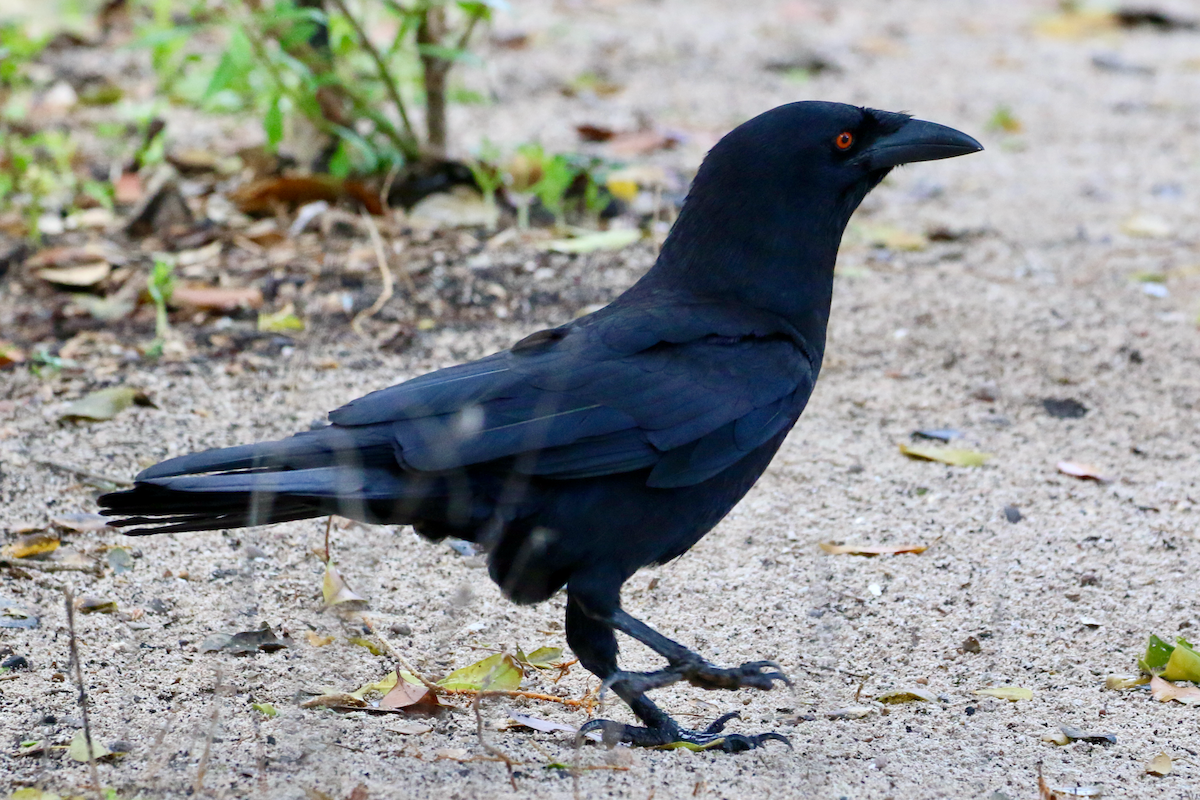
(669, 736)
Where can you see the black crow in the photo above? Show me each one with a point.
(588, 451)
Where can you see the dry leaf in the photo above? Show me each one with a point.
(79, 748)
(1013, 693)
(1076, 24)
(105, 404)
(95, 605)
(1146, 226)
(907, 696)
(540, 725)
(615, 239)
(81, 523)
(317, 640)
(850, 712)
(955, 457)
(1121, 682)
(407, 695)
(10, 354)
(892, 238)
(1160, 765)
(263, 196)
(79, 276)
(335, 590)
(1094, 737)
(216, 298)
(1082, 471)
(409, 728)
(461, 207)
(31, 544)
(871, 550)
(1164, 691)
(452, 754)
(335, 699)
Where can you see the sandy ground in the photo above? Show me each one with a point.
(1034, 299)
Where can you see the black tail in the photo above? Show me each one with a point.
(353, 472)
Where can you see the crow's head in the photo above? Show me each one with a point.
(825, 157)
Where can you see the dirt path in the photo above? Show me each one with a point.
(1032, 296)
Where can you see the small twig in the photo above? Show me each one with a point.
(410, 149)
(83, 472)
(328, 526)
(861, 684)
(385, 273)
(396, 654)
(83, 704)
(50, 566)
(213, 720)
(483, 742)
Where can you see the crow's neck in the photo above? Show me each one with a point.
(760, 253)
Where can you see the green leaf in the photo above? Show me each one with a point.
(266, 709)
(1158, 653)
(284, 321)
(1184, 663)
(273, 123)
(500, 672)
(104, 404)
(544, 657)
(448, 53)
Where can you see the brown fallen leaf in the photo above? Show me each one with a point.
(871, 550)
(1164, 691)
(409, 728)
(262, 196)
(642, 143)
(907, 696)
(95, 605)
(1160, 765)
(128, 189)
(409, 695)
(317, 640)
(335, 699)
(1082, 471)
(10, 354)
(216, 298)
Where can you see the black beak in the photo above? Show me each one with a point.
(917, 140)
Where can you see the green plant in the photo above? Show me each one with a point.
(306, 59)
(160, 285)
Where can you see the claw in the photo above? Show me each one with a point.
(670, 737)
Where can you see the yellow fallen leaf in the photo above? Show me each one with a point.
(1013, 693)
(104, 404)
(1160, 765)
(500, 672)
(282, 321)
(907, 696)
(78, 749)
(361, 641)
(953, 456)
(31, 544)
(316, 639)
(1076, 24)
(892, 238)
(615, 239)
(1146, 226)
(335, 590)
(1164, 691)
(1121, 682)
(871, 550)
(1058, 737)
(542, 658)
(1183, 665)
(95, 605)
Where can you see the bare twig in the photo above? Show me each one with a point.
(50, 566)
(483, 742)
(83, 703)
(328, 527)
(410, 148)
(213, 720)
(385, 273)
(430, 33)
(83, 472)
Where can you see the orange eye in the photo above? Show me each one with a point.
(844, 140)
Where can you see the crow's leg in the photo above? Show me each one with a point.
(592, 638)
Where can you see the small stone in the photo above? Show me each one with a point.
(1012, 514)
